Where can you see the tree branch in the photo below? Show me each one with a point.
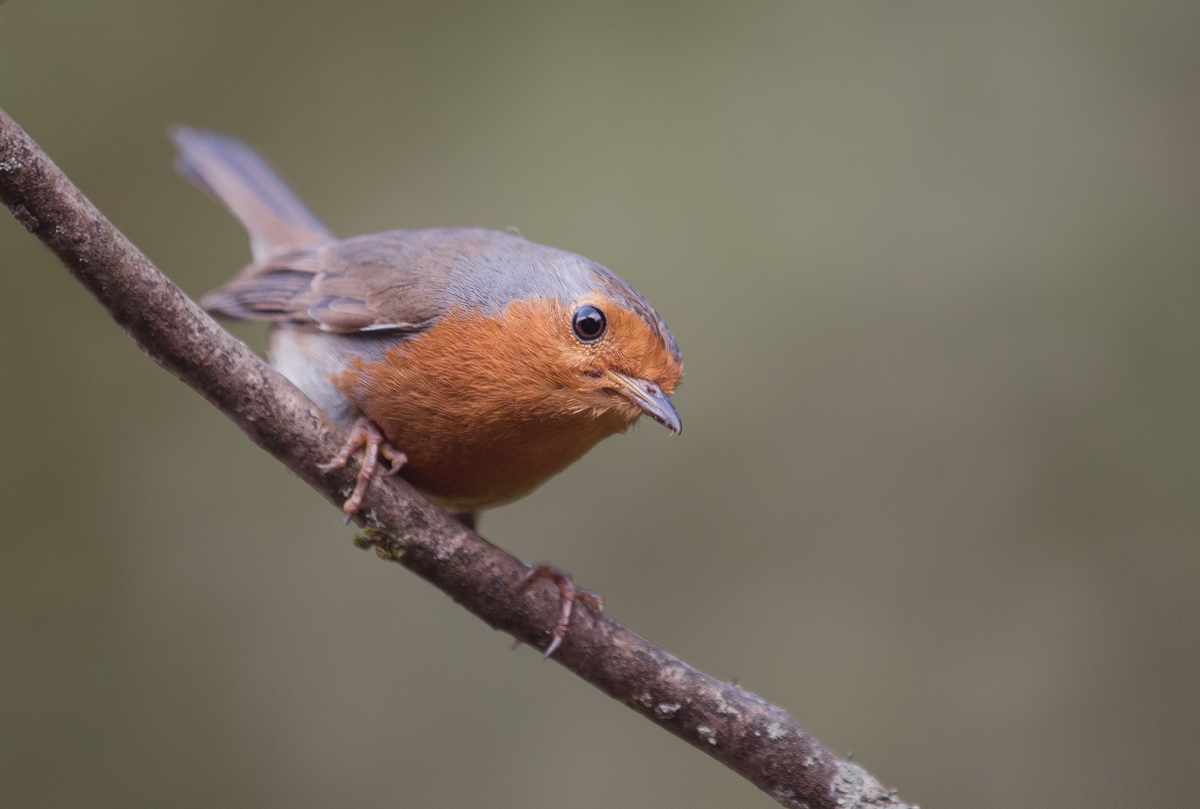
(749, 735)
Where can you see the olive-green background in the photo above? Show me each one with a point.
(935, 271)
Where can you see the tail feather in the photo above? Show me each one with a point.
(243, 181)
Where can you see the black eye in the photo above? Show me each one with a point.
(589, 324)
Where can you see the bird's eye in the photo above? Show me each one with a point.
(589, 324)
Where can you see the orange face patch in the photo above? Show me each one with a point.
(505, 402)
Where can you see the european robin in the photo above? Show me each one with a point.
(476, 363)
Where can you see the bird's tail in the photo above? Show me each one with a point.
(244, 182)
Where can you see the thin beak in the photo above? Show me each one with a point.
(649, 397)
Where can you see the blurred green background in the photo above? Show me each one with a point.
(935, 271)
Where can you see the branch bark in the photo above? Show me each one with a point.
(754, 738)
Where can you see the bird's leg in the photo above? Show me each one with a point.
(364, 434)
(570, 594)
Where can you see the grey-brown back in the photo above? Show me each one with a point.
(398, 280)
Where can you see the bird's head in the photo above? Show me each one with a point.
(614, 360)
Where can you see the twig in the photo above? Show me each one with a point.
(749, 735)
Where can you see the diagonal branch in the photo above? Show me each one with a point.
(749, 735)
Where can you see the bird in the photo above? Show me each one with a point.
(476, 363)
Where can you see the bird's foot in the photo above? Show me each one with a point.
(570, 594)
(365, 434)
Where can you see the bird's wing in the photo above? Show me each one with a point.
(390, 281)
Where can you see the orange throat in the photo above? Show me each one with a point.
(488, 408)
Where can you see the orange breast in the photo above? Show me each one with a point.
(485, 408)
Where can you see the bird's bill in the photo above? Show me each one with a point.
(649, 397)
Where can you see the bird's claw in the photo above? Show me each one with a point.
(365, 434)
(570, 594)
